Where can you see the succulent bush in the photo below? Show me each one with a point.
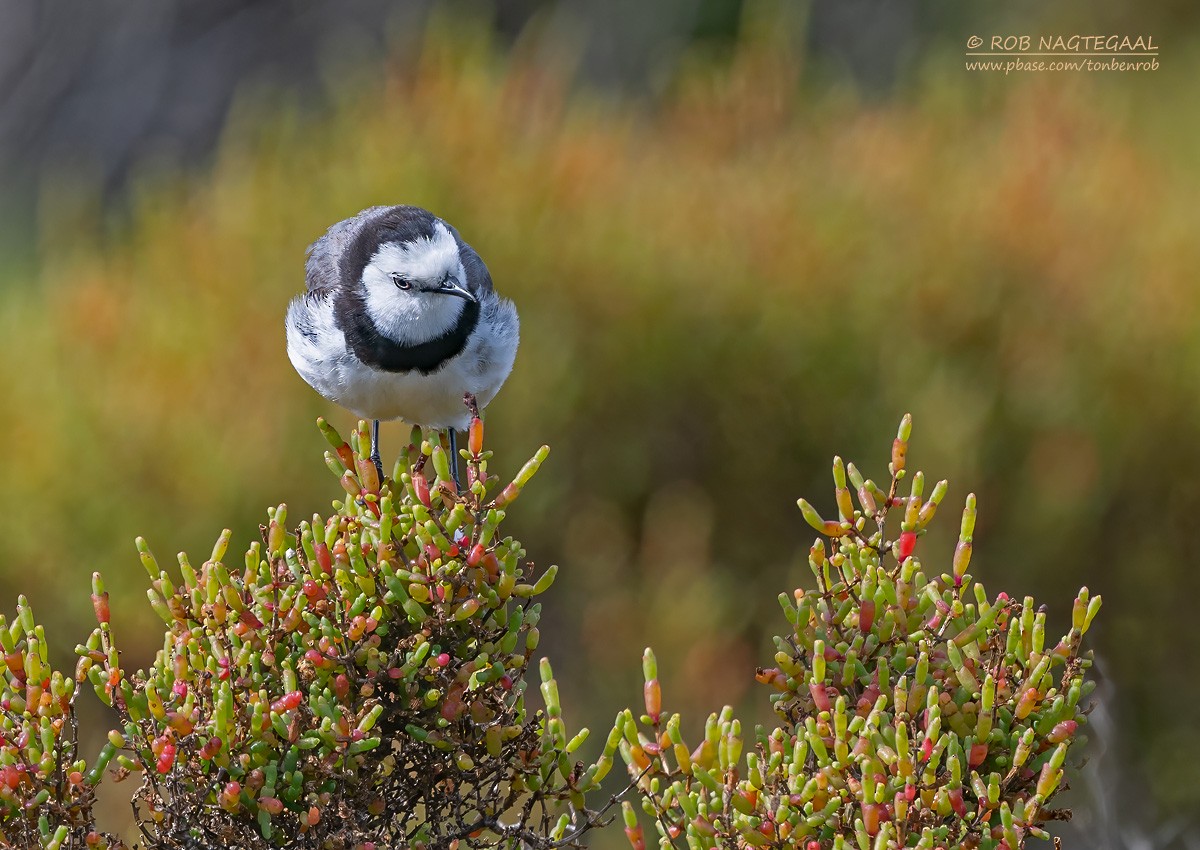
(358, 681)
(46, 790)
(916, 711)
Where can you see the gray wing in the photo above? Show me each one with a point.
(479, 279)
(324, 255)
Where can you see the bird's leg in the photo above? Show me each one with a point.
(454, 460)
(375, 450)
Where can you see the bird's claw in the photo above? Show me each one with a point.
(375, 458)
(454, 458)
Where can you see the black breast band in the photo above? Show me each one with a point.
(376, 350)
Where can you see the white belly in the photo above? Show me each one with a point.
(434, 400)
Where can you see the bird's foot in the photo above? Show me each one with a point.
(454, 460)
(472, 405)
(375, 458)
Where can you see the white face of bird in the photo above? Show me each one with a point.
(415, 291)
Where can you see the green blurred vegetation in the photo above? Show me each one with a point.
(718, 290)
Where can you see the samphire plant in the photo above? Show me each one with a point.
(916, 710)
(357, 681)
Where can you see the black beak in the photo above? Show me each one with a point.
(450, 287)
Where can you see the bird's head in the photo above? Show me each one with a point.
(413, 285)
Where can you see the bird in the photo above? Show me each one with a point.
(400, 320)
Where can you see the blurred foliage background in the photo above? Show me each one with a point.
(743, 237)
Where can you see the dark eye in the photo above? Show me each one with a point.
(401, 282)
